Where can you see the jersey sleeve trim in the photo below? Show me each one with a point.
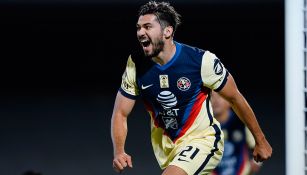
(127, 95)
(223, 83)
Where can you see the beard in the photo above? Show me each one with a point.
(157, 47)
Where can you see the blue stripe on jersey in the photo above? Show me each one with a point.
(188, 110)
(218, 138)
(208, 109)
(168, 64)
(126, 94)
(217, 135)
(223, 83)
(240, 161)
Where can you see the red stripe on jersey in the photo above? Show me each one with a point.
(151, 113)
(194, 112)
(244, 161)
(153, 116)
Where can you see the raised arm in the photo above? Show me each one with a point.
(119, 129)
(230, 92)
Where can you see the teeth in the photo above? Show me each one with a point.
(145, 42)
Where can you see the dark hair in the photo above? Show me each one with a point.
(165, 13)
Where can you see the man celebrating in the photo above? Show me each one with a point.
(175, 82)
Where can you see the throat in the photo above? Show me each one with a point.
(166, 55)
(159, 61)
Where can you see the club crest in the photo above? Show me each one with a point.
(183, 84)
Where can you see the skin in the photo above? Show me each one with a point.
(149, 28)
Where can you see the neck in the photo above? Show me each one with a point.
(166, 54)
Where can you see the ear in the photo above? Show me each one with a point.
(168, 32)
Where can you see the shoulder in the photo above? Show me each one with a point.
(192, 51)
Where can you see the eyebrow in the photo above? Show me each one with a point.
(145, 24)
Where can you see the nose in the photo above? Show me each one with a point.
(140, 32)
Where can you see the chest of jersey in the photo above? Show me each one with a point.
(173, 93)
(173, 85)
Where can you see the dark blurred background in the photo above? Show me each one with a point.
(61, 64)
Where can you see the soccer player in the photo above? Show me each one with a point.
(238, 141)
(175, 81)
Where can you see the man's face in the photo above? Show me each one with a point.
(150, 35)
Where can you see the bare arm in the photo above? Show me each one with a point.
(230, 92)
(119, 129)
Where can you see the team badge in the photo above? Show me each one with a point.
(183, 83)
(218, 67)
(164, 81)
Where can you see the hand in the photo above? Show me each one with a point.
(262, 151)
(121, 161)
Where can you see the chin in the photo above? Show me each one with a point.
(148, 54)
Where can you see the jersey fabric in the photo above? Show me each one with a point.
(177, 98)
(238, 141)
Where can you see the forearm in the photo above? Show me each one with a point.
(119, 133)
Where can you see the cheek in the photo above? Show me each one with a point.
(156, 34)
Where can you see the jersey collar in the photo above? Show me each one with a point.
(173, 59)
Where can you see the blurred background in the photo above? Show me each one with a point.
(61, 65)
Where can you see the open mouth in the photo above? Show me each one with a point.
(145, 43)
